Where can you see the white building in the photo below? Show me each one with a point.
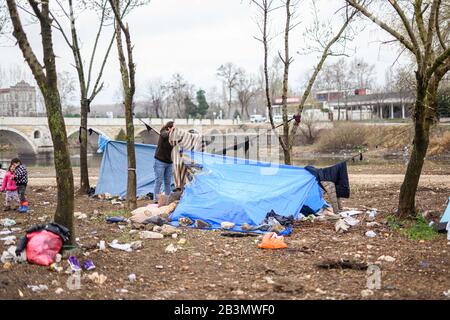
(18, 101)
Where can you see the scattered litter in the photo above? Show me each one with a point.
(227, 225)
(8, 238)
(20, 293)
(80, 215)
(351, 221)
(200, 224)
(116, 245)
(386, 258)
(115, 219)
(372, 213)
(58, 258)
(132, 277)
(431, 223)
(341, 226)
(269, 280)
(97, 278)
(7, 265)
(5, 232)
(185, 222)
(182, 241)
(150, 235)
(342, 264)
(41, 287)
(157, 228)
(59, 290)
(74, 263)
(7, 222)
(370, 234)
(116, 202)
(10, 255)
(272, 241)
(45, 203)
(373, 224)
(102, 245)
(366, 293)
(171, 248)
(122, 290)
(168, 230)
(135, 245)
(174, 235)
(89, 265)
(447, 293)
(349, 213)
(159, 267)
(56, 268)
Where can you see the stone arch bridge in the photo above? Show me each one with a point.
(31, 135)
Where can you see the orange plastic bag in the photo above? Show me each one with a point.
(272, 241)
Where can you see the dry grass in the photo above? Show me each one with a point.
(344, 136)
(439, 144)
(350, 136)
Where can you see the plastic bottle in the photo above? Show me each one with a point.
(448, 231)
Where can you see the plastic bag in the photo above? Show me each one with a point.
(272, 241)
(42, 247)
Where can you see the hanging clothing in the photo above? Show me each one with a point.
(337, 174)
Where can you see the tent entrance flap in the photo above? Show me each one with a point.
(244, 191)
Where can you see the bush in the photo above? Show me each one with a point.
(121, 136)
(344, 136)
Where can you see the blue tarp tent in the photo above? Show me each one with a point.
(114, 168)
(244, 191)
(445, 218)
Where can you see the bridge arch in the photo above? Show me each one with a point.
(22, 143)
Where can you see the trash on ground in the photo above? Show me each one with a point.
(200, 224)
(7, 222)
(372, 213)
(182, 241)
(74, 263)
(370, 234)
(132, 277)
(272, 241)
(97, 278)
(168, 230)
(115, 219)
(349, 213)
(88, 265)
(8, 238)
(5, 232)
(80, 215)
(126, 246)
(171, 248)
(366, 293)
(59, 290)
(185, 222)
(341, 226)
(150, 235)
(227, 225)
(386, 258)
(102, 245)
(41, 287)
(351, 221)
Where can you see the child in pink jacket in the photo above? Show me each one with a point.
(9, 185)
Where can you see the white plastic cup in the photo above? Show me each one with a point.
(102, 245)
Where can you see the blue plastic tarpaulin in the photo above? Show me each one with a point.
(114, 169)
(244, 191)
(445, 218)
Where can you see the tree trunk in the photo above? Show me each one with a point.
(131, 185)
(84, 171)
(406, 205)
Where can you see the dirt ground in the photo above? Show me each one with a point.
(212, 266)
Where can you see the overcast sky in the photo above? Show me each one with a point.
(194, 37)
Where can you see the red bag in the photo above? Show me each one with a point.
(42, 247)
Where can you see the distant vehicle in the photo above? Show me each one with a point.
(257, 118)
(278, 118)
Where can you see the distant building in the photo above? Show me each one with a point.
(18, 101)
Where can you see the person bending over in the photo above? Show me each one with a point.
(163, 161)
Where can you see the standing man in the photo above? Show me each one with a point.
(163, 161)
(21, 177)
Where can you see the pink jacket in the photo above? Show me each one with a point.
(9, 184)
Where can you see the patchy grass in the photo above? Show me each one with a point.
(417, 229)
(118, 213)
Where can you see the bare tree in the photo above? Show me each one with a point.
(46, 77)
(127, 70)
(245, 90)
(421, 28)
(361, 73)
(178, 89)
(229, 73)
(67, 88)
(89, 84)
(156, 96)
